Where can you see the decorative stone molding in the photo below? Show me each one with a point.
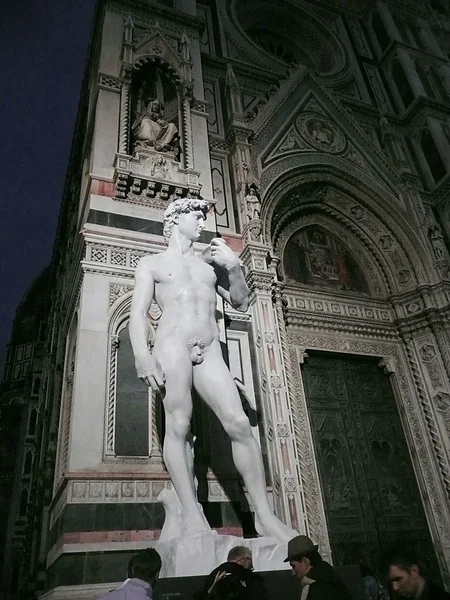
(125, 260)
(130, 491)
(116, 290)
(110, 83)
(151, 175)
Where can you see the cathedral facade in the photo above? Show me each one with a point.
(320, 132)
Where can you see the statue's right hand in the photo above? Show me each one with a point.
(150, 372)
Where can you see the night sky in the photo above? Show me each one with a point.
(43, 48)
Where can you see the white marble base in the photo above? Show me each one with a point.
(200, 553)
(79, 592)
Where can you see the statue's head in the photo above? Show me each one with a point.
(179, 207)
(155, 105)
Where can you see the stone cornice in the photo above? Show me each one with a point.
(141, 15)
(338, 325)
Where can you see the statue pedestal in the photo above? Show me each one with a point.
(200, 553)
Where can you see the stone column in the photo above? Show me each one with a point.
(441, 141)
(444, 72)
(271, 348)
(411, 73)
(388, 21)
(430, 39)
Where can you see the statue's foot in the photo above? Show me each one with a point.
(270, 526)
(195, 524)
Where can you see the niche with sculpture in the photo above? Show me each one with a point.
(314, 257)
(155, 113)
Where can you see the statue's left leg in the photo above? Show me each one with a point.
(215, 384)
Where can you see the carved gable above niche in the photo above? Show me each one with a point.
(155, 44)
(304, 126)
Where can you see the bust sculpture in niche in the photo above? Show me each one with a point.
(150, 129)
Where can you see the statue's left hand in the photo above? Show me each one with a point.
(223, 255)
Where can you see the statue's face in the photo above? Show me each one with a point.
(191, 224)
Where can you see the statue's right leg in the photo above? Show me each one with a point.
(177, 452)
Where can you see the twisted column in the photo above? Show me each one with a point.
(111, 409)
(124, 115)
(155, 449)
(187, 130)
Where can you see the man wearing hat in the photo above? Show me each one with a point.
(318, 579)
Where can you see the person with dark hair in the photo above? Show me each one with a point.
(239, 568)
(143, 571)
(318, 579)
(408, 580)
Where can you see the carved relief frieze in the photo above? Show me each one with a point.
(321, 133)
(110, 83)
(115, 259)
(151, 176)
(427, 352)
(112, 491)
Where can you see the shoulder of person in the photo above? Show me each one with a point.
(437, 593)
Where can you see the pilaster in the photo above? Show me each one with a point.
(272, 353)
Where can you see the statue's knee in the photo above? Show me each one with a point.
(177, 426)
(237, 426)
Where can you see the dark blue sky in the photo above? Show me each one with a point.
(43, 48)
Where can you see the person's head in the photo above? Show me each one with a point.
(229, 588)
(145, 565)
(188, 214)
(405, 574)
(302, 556)
(366, 571)
(242, 556)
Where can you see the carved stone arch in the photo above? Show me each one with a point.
(372, 212)
(377, 281)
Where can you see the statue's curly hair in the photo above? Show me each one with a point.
(177, 208)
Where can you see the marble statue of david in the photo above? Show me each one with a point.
(187, 353)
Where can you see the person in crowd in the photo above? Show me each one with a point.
(143, 572)
(239, 569)
(371, 585)
(407, 577)
(318, 579)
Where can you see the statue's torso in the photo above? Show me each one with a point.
(185, 291)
